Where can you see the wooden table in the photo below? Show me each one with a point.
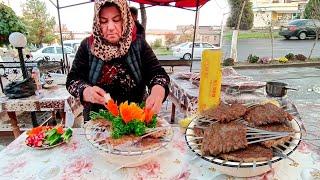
(54, 99)
(184, 94)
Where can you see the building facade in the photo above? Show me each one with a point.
(279, 12)
(209, 34)
(153, 35)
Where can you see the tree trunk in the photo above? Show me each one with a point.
(234, 43)
(315, 42)
(241, 12)
(316, 16)
(272, 39)
(143, 16)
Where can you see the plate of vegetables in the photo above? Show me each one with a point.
(45, 137)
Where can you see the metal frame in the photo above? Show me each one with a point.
(58, 7)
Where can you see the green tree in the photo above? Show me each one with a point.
(247, 17)
(156, 44)
(9, 22)
(312, 10)
(39, 23)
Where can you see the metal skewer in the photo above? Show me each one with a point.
(266, 139)
(279, 152)
(264, 136)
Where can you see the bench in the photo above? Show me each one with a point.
(173, 63)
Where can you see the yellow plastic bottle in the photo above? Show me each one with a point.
(210, 79)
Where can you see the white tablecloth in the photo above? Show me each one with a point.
(80, 160)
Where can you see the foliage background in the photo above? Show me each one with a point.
(247, 17)
(40, 24)
(9, 22)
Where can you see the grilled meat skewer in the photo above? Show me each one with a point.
(222, 138)
(266, 114)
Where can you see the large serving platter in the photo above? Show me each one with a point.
(244, 169)
(91, 130)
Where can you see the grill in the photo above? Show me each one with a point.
(125, 156)
(249, 169)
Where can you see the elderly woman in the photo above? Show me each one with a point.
(116, 61)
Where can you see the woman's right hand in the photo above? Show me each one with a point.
(94, 94)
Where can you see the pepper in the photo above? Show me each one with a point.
(67, 134)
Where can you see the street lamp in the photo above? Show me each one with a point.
(19, 41)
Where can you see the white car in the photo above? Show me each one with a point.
(174, 48)
(184, 51)
(54, 53)
(72, 43)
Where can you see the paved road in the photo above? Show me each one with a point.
(262, 47)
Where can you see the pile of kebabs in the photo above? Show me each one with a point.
(239, 133)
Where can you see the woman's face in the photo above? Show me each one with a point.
(111, 24)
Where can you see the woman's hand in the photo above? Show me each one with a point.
(154, 100)
(94, 94)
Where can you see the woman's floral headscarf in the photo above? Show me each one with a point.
(103, 49)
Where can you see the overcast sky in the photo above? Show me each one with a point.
(79, 18)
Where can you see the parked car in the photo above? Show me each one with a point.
(53, 52)
(173, 48)
(72, 43)
(300, 28)
(184, 51)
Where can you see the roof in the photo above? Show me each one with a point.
(174, 3)
(162, 32)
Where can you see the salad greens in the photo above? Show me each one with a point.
(120, 128)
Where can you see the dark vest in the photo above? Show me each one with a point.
(133, 60)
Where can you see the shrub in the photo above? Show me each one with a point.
(253, 58)
(156, 44)
(290, 56)
(228, 62)
(264, 60)
(283, 60)
(301, 57)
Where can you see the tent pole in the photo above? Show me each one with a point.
(53, 4)
(194, 34)
(75, 4)
(61, 40)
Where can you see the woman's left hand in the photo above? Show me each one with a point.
(154, 100)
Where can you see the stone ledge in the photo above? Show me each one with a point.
(286, 65)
